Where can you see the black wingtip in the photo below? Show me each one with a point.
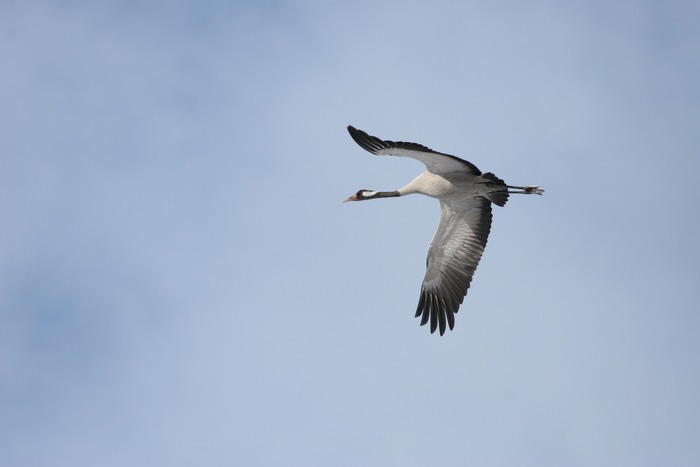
(369, 143)
(436, 312)
(354, 132)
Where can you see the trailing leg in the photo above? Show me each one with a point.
(526, 190)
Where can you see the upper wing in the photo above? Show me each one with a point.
(453, 256)
(436, 162)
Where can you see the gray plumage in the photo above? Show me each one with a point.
(465, 196)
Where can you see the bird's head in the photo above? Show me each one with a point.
(361, 196)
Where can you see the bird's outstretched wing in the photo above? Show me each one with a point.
(436, 162)
(453, 256)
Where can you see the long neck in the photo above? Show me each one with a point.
(385, 194)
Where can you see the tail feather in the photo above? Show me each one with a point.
(499, 198)
(499, 195)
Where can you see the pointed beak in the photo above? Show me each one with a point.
(352, 198)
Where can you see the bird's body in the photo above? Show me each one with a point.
(465, 196)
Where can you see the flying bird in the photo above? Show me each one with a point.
(465, 196)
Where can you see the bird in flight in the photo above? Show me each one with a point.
(465, 196)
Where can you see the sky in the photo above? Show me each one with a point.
(180, 284)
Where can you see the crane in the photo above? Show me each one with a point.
(465, 195)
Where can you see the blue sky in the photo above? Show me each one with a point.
(180, 285)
